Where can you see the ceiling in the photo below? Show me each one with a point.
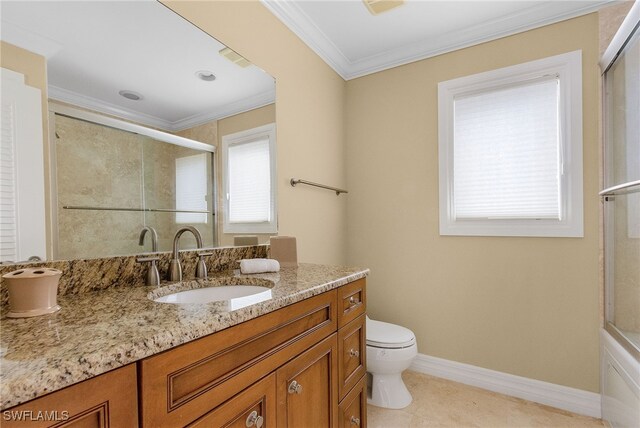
(94, 49)
(356, 43)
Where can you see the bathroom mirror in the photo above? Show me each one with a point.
(141, 63)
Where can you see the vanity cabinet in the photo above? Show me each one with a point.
(184, 383)
(315, 348)
(106, 401)
(299, 366)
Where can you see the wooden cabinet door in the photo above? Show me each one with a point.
(353, 409)
(254, 407)
(108, 400)
(352, 347)
(308, 388)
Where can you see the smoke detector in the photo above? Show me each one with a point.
(235, 57)
(379, 6)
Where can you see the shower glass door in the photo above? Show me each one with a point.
(622, 196)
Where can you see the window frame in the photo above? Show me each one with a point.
(568, 68)
(261, 132)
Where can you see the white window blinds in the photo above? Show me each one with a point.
(8, 191)
(191, 188)
(506, 153)
(249, 175)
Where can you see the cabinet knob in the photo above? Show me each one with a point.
(254, 419)
(354, 353)
(294, 388)
(353, 301)
(355, 421)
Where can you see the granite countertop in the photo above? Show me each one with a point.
(98, 331)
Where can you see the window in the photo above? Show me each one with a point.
(191, 188)
(510, 150)
(248, 159)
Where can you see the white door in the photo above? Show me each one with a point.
(22, 211)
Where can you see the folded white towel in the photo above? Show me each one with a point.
(248, 266)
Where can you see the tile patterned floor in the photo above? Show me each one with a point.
(443, 403)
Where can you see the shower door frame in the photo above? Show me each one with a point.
(629, 30)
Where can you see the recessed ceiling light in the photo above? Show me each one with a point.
(378, 6)
(130, 95)
(205, 75)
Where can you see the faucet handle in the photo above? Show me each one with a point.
(201, 267)
(153, 276)
(147, 259)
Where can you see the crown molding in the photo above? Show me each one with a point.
(240, 106)
(14, 34)
(79, 100)
(59, 94)
(303, 26)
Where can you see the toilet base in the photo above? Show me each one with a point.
(388, 391)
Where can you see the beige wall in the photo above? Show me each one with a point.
(247, 120)
(230, 125)
(34, 68)
(526, 306)
(310, 120)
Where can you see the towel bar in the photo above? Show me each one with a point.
(295, 181)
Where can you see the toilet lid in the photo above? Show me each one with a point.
(384, 335)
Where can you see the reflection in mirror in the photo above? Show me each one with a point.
(112, 183)
(138, 62)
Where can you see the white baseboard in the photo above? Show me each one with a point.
(558, 396)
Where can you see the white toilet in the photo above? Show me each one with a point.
(390, 350)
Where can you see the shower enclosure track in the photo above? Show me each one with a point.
(153, 210)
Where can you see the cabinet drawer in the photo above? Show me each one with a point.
(307, 388)
(351, 301)
(108, 400)
(253, 407)
(352, 352)
(353, 409)
(182, 384)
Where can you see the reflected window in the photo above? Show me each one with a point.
(191, 188)
(249, 181)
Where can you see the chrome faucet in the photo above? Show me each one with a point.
(154, 237)
(153, 276)
(175, 270)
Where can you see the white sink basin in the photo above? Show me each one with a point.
(236, 296)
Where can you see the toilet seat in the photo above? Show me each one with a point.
(388, 336)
